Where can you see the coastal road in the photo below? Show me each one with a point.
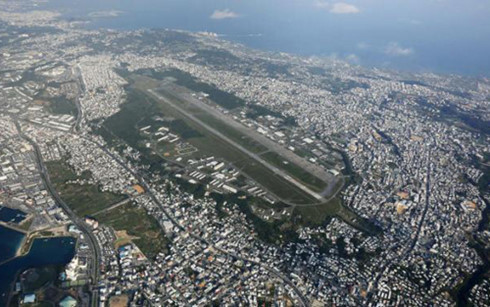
(92, 242)
(94, 246)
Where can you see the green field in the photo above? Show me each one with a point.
(62, 105)
(149, 236)
(82, 199)
(296, 171)
(235, 135)
(140, 109)
(88, 199)
(273, 182)
(277, 231)
(216, 146)
(39, 277)
(224, 99)
(123, 128)
(319, 214)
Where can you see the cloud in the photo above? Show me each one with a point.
(103, 14)
(223, 14)
(344, 8)
(394, 49)
(337, 7)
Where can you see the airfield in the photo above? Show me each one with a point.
(309, 191)
(284, 174)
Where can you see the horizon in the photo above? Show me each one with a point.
(368, 33)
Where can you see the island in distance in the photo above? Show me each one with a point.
(165, 167)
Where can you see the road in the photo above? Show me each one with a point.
(426, 208)
(114, 206)
(77, 71)
(93, 243)
(412, 243)
(94, 247)
(142, 182)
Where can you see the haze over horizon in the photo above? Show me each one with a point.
(443, 36)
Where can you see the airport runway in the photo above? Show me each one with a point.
(254, 156)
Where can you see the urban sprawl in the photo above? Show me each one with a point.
(194, 171)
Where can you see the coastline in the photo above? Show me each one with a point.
(24, 246)
(13, 227)
(18, 245)
(9, 287)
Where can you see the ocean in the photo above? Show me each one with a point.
(43, 252)
(11, 215)
(9, 242)
(423, 36)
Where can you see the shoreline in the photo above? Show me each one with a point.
(20, 244)
(13, 227)
(255, 41)
(25, 245)
(23, 254)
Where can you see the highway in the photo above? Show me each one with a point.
(78, 73)
(94, 247)
(93, 243)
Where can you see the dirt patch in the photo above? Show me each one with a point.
(123, 238)
(119, 301)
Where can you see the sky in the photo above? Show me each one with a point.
(448, 36)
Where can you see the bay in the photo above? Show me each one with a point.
(43, 252)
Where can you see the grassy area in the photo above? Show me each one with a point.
(26, 224)
(234, 134)
(318, 215)
(276, 184)
(145, 230)
(141, 109)
(38, 277)
(224, 99)
(185, 131)
(358, 222)
(124, 125)
(62, 105)
(82, 199)
(255, 110)
(295, 171)
(277, 231)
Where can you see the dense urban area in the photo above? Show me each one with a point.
(187, 170)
